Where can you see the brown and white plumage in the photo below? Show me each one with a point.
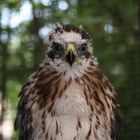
(68, 97)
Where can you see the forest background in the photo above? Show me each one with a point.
(115, 28)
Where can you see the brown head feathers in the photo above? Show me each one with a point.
(70, 28)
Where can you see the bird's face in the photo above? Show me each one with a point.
(69, 44)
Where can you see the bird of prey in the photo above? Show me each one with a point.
(68, 97)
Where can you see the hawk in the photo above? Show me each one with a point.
(68, 97)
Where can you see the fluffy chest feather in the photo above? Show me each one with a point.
(68, 119)
(72, 103)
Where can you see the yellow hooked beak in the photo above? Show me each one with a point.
(70, 53)
(70, 47)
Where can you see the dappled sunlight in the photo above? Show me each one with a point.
(6, 127)
(63, 5)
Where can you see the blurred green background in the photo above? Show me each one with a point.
(115, 28)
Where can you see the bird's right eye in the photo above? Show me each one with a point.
(57, 48)
(83, 48)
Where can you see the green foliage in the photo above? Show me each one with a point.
(13, 87)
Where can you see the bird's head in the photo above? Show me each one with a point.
(69, 43)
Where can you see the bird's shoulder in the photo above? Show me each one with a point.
(26, 94)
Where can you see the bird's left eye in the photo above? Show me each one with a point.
(83, 48)
(57, 48)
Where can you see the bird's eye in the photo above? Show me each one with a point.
(57, 48)
(83, 48)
